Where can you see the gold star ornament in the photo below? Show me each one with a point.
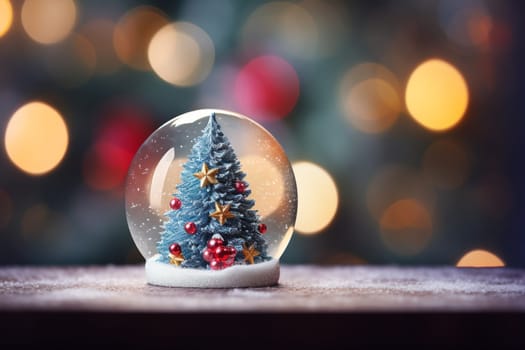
(207, 176)
(176, 259)
(249, 253)
(222, 213)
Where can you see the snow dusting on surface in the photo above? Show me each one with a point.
(300, 288)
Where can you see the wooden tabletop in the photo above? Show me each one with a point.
(360, 301)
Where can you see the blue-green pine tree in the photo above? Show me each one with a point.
(214, 149)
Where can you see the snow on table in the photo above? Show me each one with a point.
(300, 288)
(312, 304)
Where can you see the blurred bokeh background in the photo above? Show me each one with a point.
(403, 120)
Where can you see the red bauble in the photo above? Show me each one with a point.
(175, 249)
(215, 242)
(217, 265)
(225, 253)
(208, 255)
(218, 255)
(262, 228)
(175, 203)
(240, 186)
(190, 228)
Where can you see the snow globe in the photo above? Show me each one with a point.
(211, 202)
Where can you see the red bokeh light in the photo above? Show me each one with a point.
(266, 88)
(121, 132)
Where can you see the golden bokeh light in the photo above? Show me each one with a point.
(6, 16)
(36, 138)
(446, 164)
(374, 105)
(370, 97)
(181, 54)
(436, 95)
(48, 21)
(133, 34)
(406, 227)
(265, 182)
(480, 258)
(317, 197)
(281, 27)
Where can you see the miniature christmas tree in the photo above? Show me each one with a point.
(211, 223)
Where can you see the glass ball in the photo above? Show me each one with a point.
(157, 168)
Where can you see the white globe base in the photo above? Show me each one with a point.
(257, 275)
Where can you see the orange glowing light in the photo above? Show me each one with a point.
(48, 21)
(317, 195)
(406, 227)
(36, 138)
(480, 258)
(181, 54)
(6, 16)
(373, 105)
(370, 96)
(133, 34)
(265, 182)
(436, 95)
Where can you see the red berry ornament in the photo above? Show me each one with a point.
(175, 249)
(217, 265)
(218, 255)
(224, 253)
(215, 242)
(262, 228)
(190, 228)
(208, 255)
(175, 203)
(240, 186)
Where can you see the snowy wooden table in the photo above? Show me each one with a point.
(364, 304)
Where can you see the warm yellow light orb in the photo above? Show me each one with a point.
(374, 105)
(48, 21)
(436, 95)
(133, 34)
(406, 226)
(265, 182)
(36, 138)
(370, 97)
(181, 54)
(6, 16)
(317, 197)
(480, 258)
